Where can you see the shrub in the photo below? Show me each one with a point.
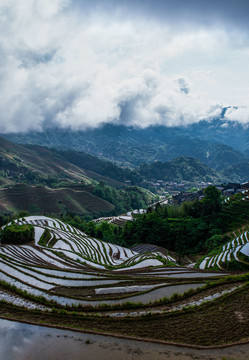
(17, 234)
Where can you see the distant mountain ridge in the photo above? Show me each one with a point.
(217, 143)
(34, 162)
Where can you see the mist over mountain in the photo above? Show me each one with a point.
(221, 130)
(219, 143)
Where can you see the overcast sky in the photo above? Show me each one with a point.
(80, 63)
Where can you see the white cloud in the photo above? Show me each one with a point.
(240, 114)
(59, 67)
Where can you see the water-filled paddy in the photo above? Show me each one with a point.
(20, 341)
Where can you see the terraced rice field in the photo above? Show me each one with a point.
(67, 267)
(229, 252)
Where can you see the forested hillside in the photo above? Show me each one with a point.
(179, 169)
(192, 228)
(134, 146)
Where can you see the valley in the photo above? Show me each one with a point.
(91, 245)
(124, 180)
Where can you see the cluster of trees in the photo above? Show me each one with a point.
(184, 229)
(17, 234)
(9, 217)
(193, 227)
(124, 199)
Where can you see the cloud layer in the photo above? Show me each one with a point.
(73, 66)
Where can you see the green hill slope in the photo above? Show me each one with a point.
(181, 168)
(35, 164)
(41, 199)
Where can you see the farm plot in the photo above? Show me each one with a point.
(67, 267)
(228, 253)
(78, 247)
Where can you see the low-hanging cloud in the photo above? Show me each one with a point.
(61, 69)
(240, 114)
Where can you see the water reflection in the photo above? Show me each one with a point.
(28, 342)
(13, 337)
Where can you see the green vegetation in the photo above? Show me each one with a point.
(135, 146)
(91, 201)
(46, 236)
(236, 266)
(181, 168)
(17, 234)
(124, 199)
(194, 227)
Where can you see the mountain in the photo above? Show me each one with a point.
(133, 146)
(238, 172)
(35, 163)
(42, 180)
(37, 199)
(179, 169)
(220, 130)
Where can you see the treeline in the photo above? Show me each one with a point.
(194, 227)
(9, 217)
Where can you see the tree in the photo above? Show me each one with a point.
(212, 201)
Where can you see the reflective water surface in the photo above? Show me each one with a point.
(29, 342)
